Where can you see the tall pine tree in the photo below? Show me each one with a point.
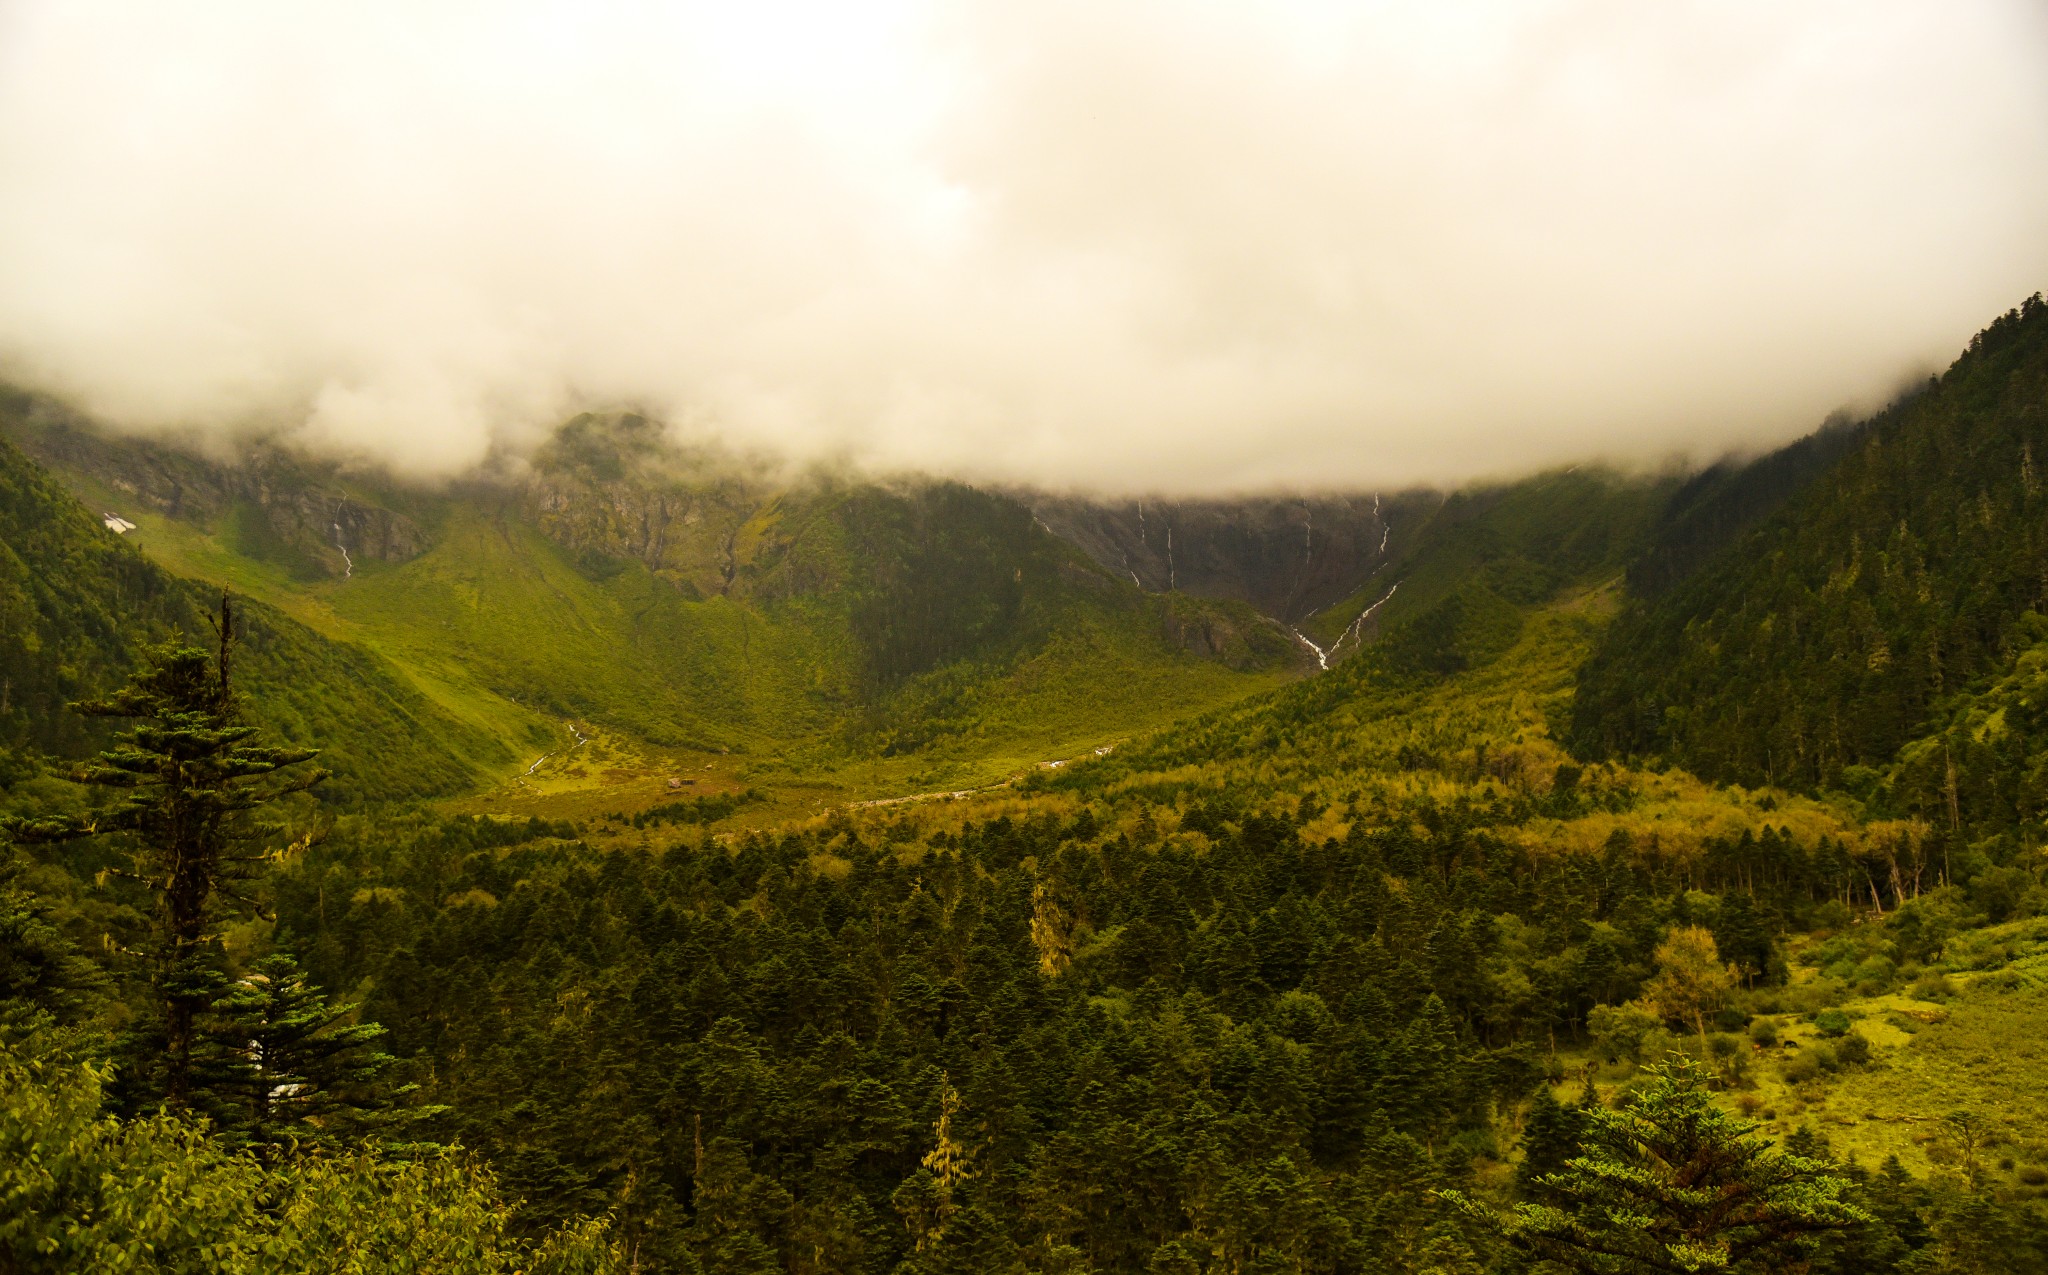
(1672, 1183)
(192, 774)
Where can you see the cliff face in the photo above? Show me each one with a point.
(1286, 558)
(615, 489)
(280, 507)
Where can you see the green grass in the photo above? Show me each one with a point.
(1985, 1051)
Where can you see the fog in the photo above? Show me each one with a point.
(1175, 247)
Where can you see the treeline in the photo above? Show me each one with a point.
(705, 808)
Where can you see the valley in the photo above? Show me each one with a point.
(728, 860)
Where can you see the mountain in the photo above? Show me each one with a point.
(78, 603)
(1286, 557)
(1328, 941)
(686, 602)
(1833, 631)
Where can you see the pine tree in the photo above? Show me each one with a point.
(287, 1067)
(40, 971)
(193, 774)
(1672, 1183)
(1550, 1138)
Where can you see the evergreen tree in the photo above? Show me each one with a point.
(192, 775)
(1672, 1183)
(287, 1067)
(40, 972)
(1550, 1138)
(1742, 938)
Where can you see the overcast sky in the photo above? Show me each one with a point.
(1176, 247)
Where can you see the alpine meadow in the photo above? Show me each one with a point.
(929, 640)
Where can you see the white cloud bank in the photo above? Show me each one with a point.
(1171, 246)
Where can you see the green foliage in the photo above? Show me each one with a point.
(696, 811)
(1551, 1136)
(285, 1069)
(1522, 543)
(1824, 638)
(41, 971)
(191, 776)
(1674, 1183)
(80, 1191)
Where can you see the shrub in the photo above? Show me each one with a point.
(1764, 1031)
(1831, 1022)
(1978, 951)
(1619, 1031)
(1933, 986)
(2004, 893)
(1873, 976)
(1854, 1050)
(1801, 1067)
(1832, 915)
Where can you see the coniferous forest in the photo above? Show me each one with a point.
(1657, 885)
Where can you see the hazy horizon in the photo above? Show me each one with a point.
(1182, 250)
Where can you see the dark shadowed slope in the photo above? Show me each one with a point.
(1825, 637)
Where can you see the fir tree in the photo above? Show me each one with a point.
(192, 775)
(287, 1067)
(1672, 1183)
(1550, 1139)
(40, 972)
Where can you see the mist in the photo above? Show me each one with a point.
(1171, 247)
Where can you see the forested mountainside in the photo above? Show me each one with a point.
(78, 605)
(1317, 973)
(1519, 542)
(1848, 622)
(1715, 506)
(1246, 994)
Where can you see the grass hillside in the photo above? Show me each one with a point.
(890, 636)
(77, 603)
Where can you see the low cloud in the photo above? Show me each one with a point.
(1178, 247)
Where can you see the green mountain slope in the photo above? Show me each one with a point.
(1503, 594)
(1517, 543)
(688, 603)
(77, 603)
(1824, 637)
